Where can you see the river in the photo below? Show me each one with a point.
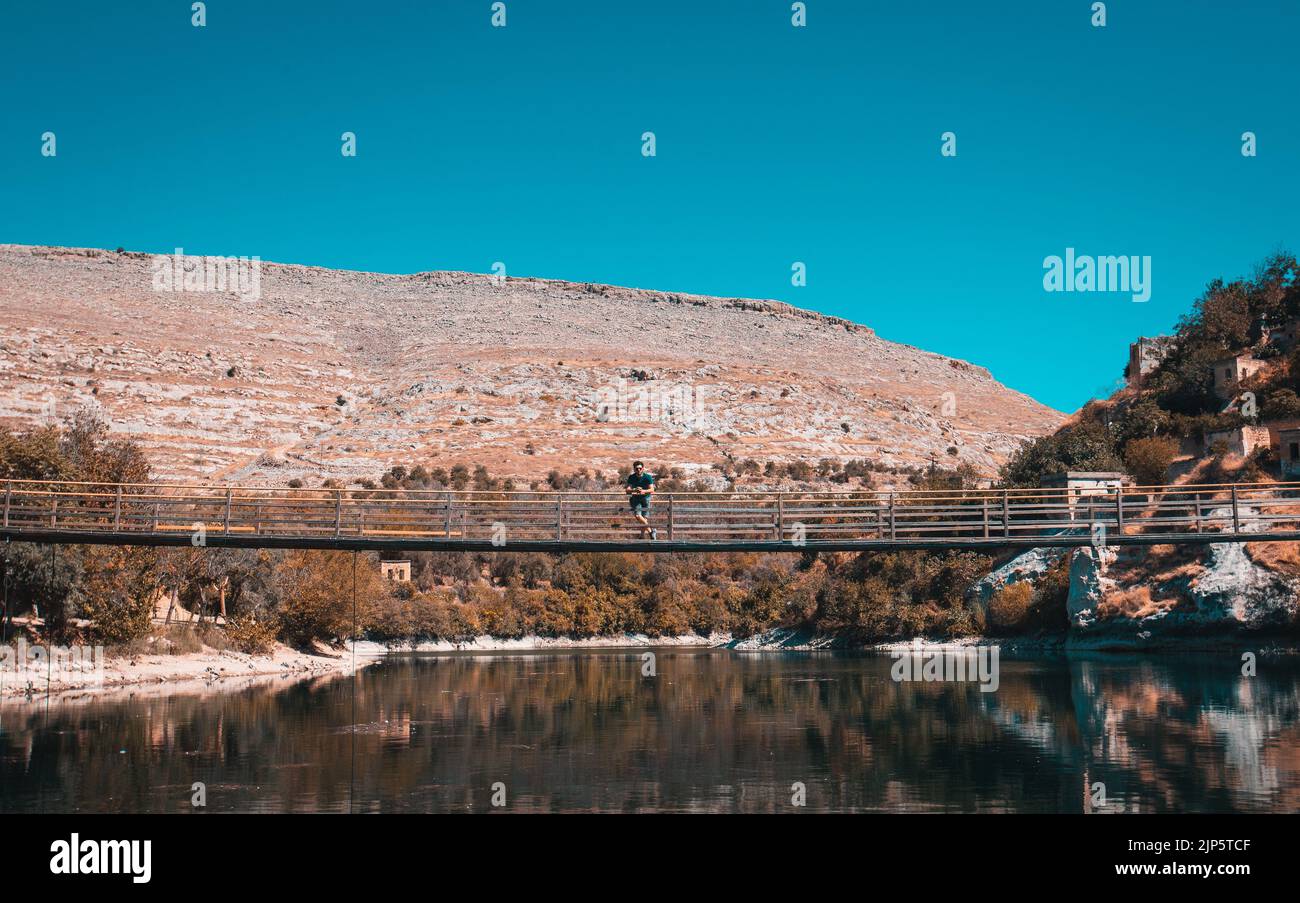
(709, 731)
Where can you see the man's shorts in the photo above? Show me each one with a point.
(641, 506)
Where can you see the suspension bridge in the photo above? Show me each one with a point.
(156, 514)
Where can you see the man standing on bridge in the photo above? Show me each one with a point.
(640, 486)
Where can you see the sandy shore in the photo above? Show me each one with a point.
(213, 670)
(210, 668)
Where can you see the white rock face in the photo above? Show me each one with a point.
(1232, 593)
(1089, 584)
(1235, 590)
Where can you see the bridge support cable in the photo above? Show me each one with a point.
(7, 618)
(352, 788)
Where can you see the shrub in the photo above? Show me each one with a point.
(1051, 611)
(252, 634)
(174, 639)
(1010, 606)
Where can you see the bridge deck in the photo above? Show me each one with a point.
(249, 517)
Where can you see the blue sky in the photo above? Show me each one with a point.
(775, 144)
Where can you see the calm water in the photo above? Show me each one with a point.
(714, 731)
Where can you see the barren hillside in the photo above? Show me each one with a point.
(339, 373)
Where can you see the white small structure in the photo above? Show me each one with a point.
(1092, 487)
(1086, 482)
(397, 571)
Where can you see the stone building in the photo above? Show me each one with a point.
(1283, 336)
(1243, 440)
(397, 571)
(1145, 355)
(1289, 451)
(1229, 372)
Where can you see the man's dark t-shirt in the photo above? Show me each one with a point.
(644, 481)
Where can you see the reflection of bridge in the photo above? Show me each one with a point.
(247, 517)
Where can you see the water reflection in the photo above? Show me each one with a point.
(712, 732)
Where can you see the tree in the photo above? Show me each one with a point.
(1281, 405)
(1084, 445)
(1142, 419)
(119, 588)
(1224, 315)
(33, 455)
(316, 593)
(1148, 460)
(46, 581)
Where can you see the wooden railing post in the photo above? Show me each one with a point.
(670, 517)
(54, 510)
(226, 525)
(117, 510)
(9, 491)
(338, 513)
(1006, 514)
(1236, 517)
(893, 526)
(559, 518)
(448, 515)
(1198, 512)
(985, 501)
(1119, 510)
(780, 515)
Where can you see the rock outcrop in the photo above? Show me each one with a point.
(1222, 592)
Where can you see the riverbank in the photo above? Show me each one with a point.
(533, 643)
(224, 670)
(219, 669)
(212, 670)
(804, 640)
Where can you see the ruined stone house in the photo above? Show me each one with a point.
(1230, 372)
(1145, 355)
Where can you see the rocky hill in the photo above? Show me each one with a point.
(331, 373)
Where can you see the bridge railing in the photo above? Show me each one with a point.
(697, 517)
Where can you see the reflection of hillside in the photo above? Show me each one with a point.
(712, 732)
(1194, 735)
